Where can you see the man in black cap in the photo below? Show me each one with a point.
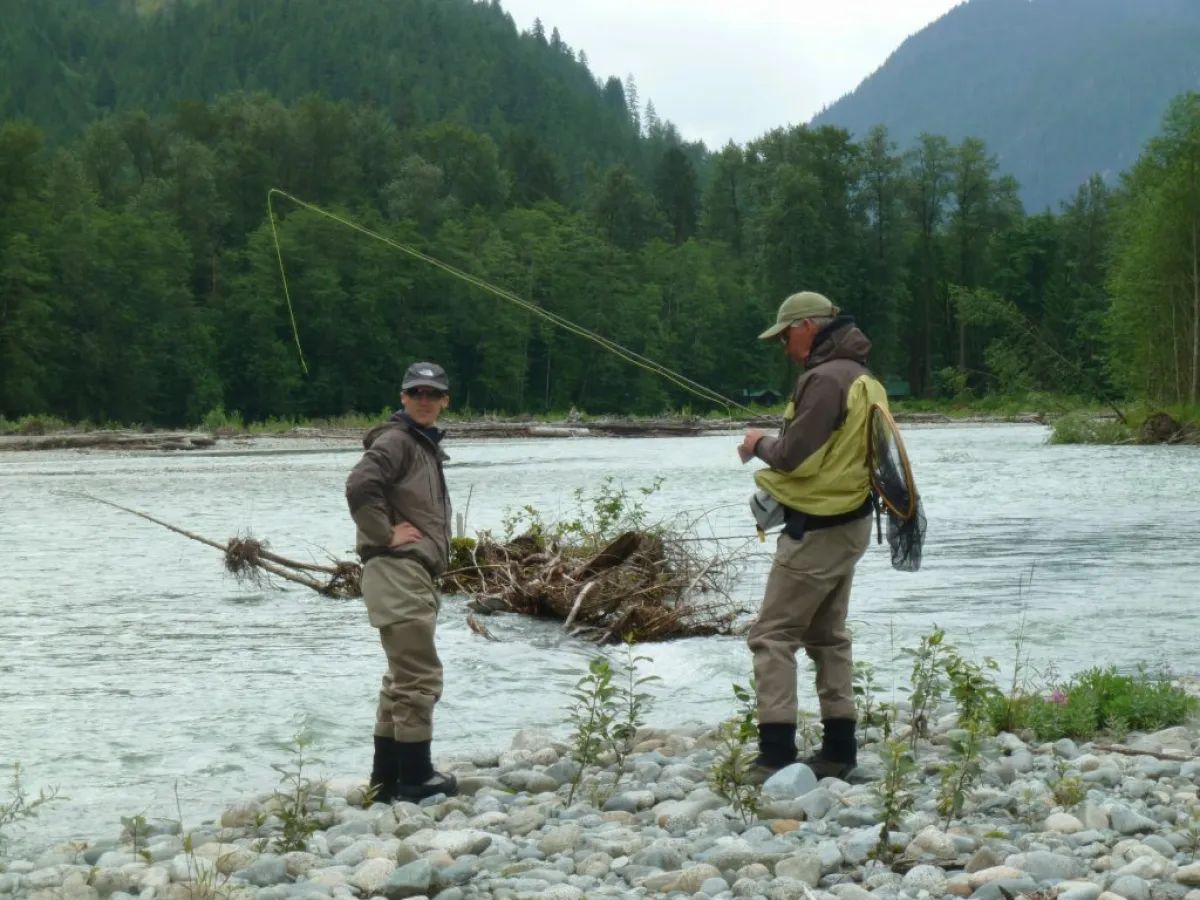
(401, 508)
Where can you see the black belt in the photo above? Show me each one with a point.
(796, 524)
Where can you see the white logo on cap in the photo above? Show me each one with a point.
(428, 373)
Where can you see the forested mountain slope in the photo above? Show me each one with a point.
(1058, 89)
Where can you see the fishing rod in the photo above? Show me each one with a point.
(630, 356)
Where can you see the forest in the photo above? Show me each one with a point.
(139, 281)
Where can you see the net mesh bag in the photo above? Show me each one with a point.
(895, 491)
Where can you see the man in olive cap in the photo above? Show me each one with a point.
(398, 499)
(817, 470)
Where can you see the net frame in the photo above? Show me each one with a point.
(879, 413)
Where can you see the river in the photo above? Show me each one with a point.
(132, 667)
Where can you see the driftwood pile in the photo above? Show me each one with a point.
(643, 585)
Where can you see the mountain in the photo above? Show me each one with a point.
(1058, 89)
(66, 63)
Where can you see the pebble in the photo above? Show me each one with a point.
(664, 831)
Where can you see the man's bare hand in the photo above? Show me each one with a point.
(404, 533)
(749, 442)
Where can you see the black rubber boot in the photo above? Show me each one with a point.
(417, 778)
(385, 770)
(838, 755)
(776, 746)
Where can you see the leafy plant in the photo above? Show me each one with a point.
(298, 800)
(865, 689)
(928, 682)
(218, 421)
(205, 881)
(1031, 806)
(973, 691)
(19, 805)
(1192, 834)
(593, 715)
(960, 774)
(138, 830)
(526, 520)
(462, 552)
(600, 516)
(606, 715)
(1068, 790)
(1088, 428)
(1006, 711)
(732, 775)
(609, 510)
(808, 730)
(894, 791)
(1097, 700)
(633, 704)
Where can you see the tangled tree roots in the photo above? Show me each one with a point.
(249, 561)
(640, 585)
(242, 556)
(346, 580)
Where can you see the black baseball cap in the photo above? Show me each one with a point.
(425, 374)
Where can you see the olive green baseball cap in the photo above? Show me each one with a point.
(797, 308)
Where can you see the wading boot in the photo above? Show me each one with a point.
(417, 778)
(838, 755)
(385, 770)
(776, 749)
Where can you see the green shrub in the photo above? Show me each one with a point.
(217, 420)
(1086, 428)
(32, 425)
(1094, 701)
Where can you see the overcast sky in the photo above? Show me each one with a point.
(722, 69)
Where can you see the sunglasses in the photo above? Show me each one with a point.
(424, 393)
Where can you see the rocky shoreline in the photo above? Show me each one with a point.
(1086, 821)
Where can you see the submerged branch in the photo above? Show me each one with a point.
(247, 559)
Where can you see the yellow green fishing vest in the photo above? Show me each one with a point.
(834, 478)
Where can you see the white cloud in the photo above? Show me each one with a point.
(733, 69)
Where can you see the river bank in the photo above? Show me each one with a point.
(1077, 821)
(131, 440)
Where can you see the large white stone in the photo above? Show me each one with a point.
(925, 878)
(932, 841)
(995, 873)
(790, 782)
(693, 876)
(1063, 823)
(562, 839)
(456, 842)
(371, 875)
(803, 866)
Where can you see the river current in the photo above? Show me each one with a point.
(132, 668)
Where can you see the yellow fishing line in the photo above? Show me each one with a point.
(624, 353)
